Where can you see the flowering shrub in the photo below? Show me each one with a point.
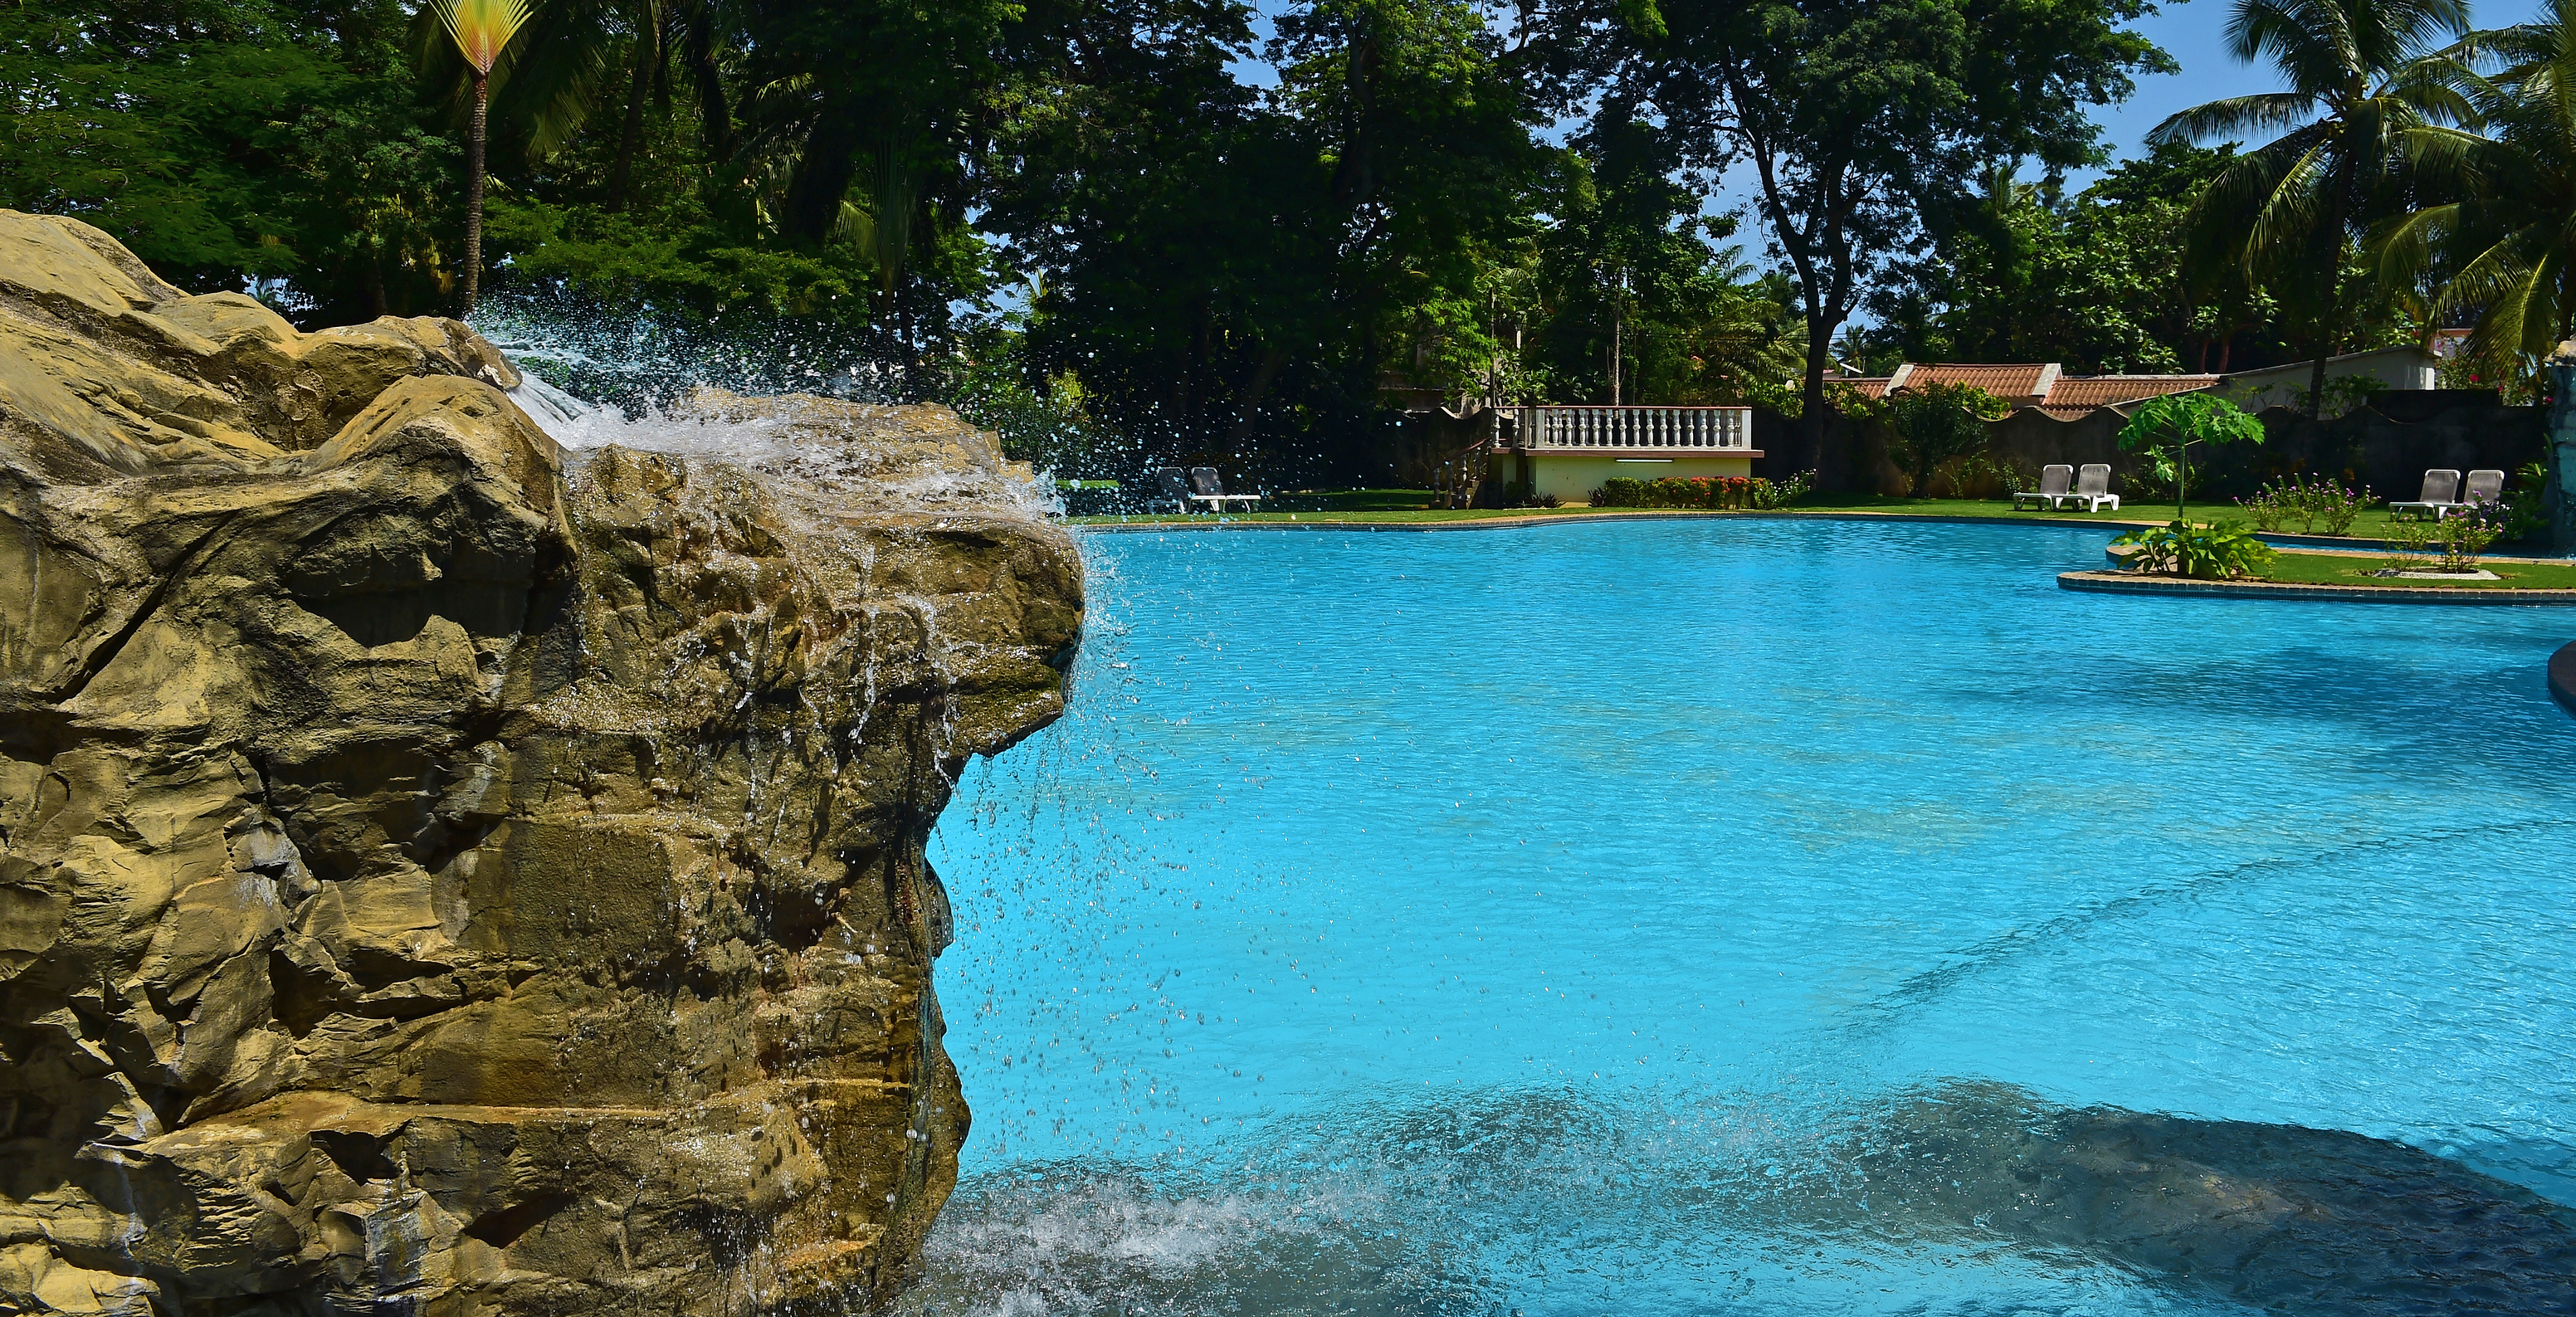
(1782, 493)
(2322, 501)
(2413, 545)
(1717, 492)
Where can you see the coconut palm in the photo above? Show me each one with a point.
(481, 29)
(2359, 83)
(2504, 241)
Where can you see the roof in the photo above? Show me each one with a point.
(2041, 385)
(2078, 394)
(2017, 383)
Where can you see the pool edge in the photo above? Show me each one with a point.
(2127, 583)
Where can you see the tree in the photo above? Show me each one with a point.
(2358, 90)
(1939, 422)
(2504, 243)
(481, 30)
(267, 146)
(1854, 113)
(2166, 427)
(2095, 281)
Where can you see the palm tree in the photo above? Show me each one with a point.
(481, 28)
(2505, 238)
(2358, 86)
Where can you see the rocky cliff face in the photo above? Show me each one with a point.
(439, 877)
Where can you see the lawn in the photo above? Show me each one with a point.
(2347, 569)
(1410, 505)
(1402, 505)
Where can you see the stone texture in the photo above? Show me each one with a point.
(440, 877)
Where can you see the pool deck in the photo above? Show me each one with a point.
(2132, 583)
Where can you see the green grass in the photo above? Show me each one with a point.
(1343, 516)
(1398, 506)
(2348, 569)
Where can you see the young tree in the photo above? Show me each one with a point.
(2358, 89)
(2167, 427)
(481, 30)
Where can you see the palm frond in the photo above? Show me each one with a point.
(481, 28)
(2236, 117)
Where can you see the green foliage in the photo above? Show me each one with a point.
(2445, 544)
(2317, 504)
(2217, 552)
(1710, 492)
(1934, 424)
(229, 142)
(2166, 427)
(1853, 113)
(2295, 208)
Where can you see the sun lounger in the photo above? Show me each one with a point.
(2438, 497)
(2053, 483)
(2092, 489)
(1173, 484)
(1206, 488)
(2484, 487)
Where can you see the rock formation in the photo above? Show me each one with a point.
(437, 877)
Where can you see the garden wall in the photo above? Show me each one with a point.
(2387, 444)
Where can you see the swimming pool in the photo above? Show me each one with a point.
(1615, 918)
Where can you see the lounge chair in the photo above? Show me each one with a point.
(2092, 489)
(1206, 488)
(2438, 497)
(1173, 484)
(2484, 487)
(2053, 482)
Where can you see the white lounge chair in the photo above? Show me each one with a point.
(2437, 499)
(2092, 489)
(2484, 487)
(1206, 488)
(2053, 483)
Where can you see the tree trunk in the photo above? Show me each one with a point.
(474, 190)
(1618, 337)
(648, 53)
(2317, 381)
(1811, 418)
(1248, 406)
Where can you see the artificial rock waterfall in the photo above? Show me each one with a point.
(441, 877)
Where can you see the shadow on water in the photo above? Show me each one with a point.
(1944, 1199)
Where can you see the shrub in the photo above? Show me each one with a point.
(2519, 514)
(2414, 545)
(2210, 553)
(2322, 501)
(1781, 493)
(2270, 508)
(1718, 492)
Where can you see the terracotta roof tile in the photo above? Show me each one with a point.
(2078, 394)
(2015, 383)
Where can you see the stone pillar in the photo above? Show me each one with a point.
(2559, 438)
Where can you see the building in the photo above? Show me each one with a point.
(1568, 451)
(2405, 367)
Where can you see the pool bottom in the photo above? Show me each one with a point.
(1955, 1198)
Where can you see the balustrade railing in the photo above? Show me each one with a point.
(1636, 427)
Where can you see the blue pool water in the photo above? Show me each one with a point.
(1593, 919)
